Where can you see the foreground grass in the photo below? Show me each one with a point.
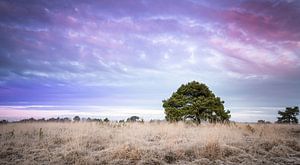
(148, 143)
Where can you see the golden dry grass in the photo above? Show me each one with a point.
(148, 143)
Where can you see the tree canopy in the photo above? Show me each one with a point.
(106, 120)
(76, 118)
(133, 119)
(197, 102)
(289, 115)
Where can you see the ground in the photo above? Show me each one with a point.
(148, 143)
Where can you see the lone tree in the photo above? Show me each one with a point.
(289, 115)
(133, 119)
(106, 120)
(76, 118)
(196, 102)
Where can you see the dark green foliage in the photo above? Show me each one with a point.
(289, 115)
(76, 118)
(263, 122)
(3, 121)
(93, 120)
(133, 119)
(196, 102)
(106, 120)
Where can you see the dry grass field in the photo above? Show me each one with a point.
(148, 143)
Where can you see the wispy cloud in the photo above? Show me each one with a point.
(138, 52)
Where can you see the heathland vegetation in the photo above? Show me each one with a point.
(197, 130)
(148, 143)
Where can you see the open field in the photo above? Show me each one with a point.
(148, 143)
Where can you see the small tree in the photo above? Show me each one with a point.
(133, 119)
(3, 121)
(66, 119)
(106, 120)
(289, 115)
(76, 118)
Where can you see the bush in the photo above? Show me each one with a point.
(106, 120)
(76, 118)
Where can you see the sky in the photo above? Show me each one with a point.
(121, 58)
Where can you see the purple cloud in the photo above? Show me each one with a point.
(138, 52)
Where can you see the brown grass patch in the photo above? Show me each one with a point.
(148, 143)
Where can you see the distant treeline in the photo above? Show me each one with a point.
(289, 116)
(58, 119)
(77, 119)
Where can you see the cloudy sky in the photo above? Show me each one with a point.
(121, 58)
